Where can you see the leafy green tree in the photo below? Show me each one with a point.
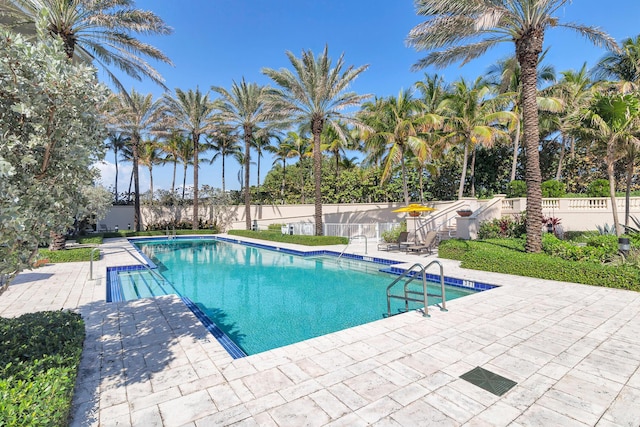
(97, 31)
(244, 107)
(192, 113)
(465, 30)
(315, 95)
(51, 135)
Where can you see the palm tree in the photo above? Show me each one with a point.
(117, 142)
(262, 143)
(149, 156)
(299, 147)
(316, 95)
(574, 91)
(186, 157)
(98, 31)
(191, 112)
(472, 118)
(622, 65)
(244, 107)
(224, 143)
(281, 153)
(134, 115)
(467, 29)
(172, 147)
(505, 77)
(399, 127)
(612, 121)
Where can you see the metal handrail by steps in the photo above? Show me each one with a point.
(410, 295)
(366, 244)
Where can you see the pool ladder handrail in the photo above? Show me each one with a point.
(366, 244)
(173, 232)
(425, 294)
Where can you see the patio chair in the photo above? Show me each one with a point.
(387, 246)
(428, 244)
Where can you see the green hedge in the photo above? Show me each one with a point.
(508, 256)
(40, 354)
(68, 255)
(286, 238)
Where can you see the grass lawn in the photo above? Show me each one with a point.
(277, 236)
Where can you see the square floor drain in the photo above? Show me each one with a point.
(489, 381)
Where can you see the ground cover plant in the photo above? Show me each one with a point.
(66, 255)
(277, 236)
(40, 354)
(508, 256)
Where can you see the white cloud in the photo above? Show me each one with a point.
(108, 176)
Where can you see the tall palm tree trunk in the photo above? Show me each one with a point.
(561, 158)
(173, 180)
(130, 184)
(611, 162)
(223, 188)
(247, 160)
(528, 49)
(302, 200)
(316, 127)
(405, 187)
(516, 149)
(473, 173)
(137, 215)
(196, 154)
(284, 176)
(151, 184)
(627, 193)
(115, 150)
(463, 174)
(184, 178)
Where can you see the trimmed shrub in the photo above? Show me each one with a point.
(598, 188)
(508, 256)
(286, 238)
(40, 355)
(516, 188)
(553, 188)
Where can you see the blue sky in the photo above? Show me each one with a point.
(218, 41)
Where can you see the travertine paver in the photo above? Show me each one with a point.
(574, 351)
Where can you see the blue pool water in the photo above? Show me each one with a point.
(263, 299)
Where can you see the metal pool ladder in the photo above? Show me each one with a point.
(409, 295)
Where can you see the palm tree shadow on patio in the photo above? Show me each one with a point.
(138, 345)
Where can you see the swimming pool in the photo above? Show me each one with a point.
(263, 299)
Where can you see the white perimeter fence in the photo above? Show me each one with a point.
(371, 231)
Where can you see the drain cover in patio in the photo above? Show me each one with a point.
(489, 381)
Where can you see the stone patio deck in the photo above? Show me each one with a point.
(574, 351)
